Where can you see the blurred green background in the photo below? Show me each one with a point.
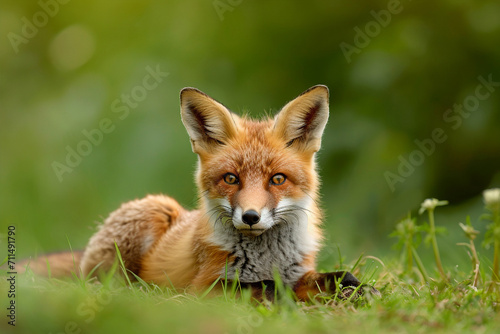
(64, 69)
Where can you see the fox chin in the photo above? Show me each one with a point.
(258, 213)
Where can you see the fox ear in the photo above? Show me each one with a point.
(208, 123)
(301, 121)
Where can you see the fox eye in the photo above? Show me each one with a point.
(278, 179)
(230, 178)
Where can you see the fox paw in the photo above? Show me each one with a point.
(363, 291)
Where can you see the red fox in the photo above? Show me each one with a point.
(258, 213)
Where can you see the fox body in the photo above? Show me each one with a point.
(258, 213)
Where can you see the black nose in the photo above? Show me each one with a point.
(251, 217)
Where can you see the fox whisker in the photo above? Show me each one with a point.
(199, 197)
(289, 214)
(222, 213)
(315, 201)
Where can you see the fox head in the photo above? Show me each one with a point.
(257, 175)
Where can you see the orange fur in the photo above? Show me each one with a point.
(163, 243)
(59, 264)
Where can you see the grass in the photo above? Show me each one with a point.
(59, 306)
(416, 297)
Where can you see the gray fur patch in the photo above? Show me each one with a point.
(280, 249)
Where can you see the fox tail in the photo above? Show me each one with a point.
(59, 264)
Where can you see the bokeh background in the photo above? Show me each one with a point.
(393, 83)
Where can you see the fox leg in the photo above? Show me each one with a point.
(263, 290)
(309, 285)
(135, 227)
(312, 283)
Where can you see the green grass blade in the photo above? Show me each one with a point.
(124, 269)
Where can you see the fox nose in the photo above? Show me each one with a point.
(251, 217)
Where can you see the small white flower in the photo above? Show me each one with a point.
(492, 199)
(430, 204)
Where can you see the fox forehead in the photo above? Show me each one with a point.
(257, 152)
